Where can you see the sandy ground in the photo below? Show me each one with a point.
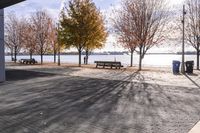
(69, 99)
(155, 75)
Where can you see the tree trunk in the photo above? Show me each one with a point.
(87, 55)
(55, 57)
(15, 54)
(140, 59)
(41, 54)
(11, 54)
(31, 55)
(54, 53)
(198, 56)
(131, 58)
(41, 59)
(79, 52)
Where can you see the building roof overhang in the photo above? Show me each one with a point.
(6, 3)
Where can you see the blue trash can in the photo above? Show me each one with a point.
(176, 66)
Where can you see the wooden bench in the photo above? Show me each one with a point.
(28, 61)
(110, 64)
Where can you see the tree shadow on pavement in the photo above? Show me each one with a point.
(78, 104)
(16, 74)
(196, 84)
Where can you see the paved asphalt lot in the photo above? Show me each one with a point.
(38, 101)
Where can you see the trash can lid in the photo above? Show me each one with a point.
(175, 61)
(190, 62)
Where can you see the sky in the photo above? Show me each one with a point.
(53, 8)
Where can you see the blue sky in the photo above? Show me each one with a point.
(27, 7)
(53, 6)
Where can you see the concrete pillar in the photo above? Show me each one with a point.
(2, 50)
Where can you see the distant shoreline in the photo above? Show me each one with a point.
(105, 54)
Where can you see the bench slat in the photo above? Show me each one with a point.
(28, 61)
(110, 64)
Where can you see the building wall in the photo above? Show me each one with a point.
(2, 52)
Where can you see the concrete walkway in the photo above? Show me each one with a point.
(52, 100)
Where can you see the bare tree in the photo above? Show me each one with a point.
(193, 26)
(123, 26)
(53, 39)
(14, 29)
(41, 25)
(147, 19)
(29, 38)
(9, 46)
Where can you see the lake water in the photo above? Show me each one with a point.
(149, 60)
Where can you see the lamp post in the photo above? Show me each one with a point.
(58, 39)
(113, 42)
(183, 44)
(198, 46)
